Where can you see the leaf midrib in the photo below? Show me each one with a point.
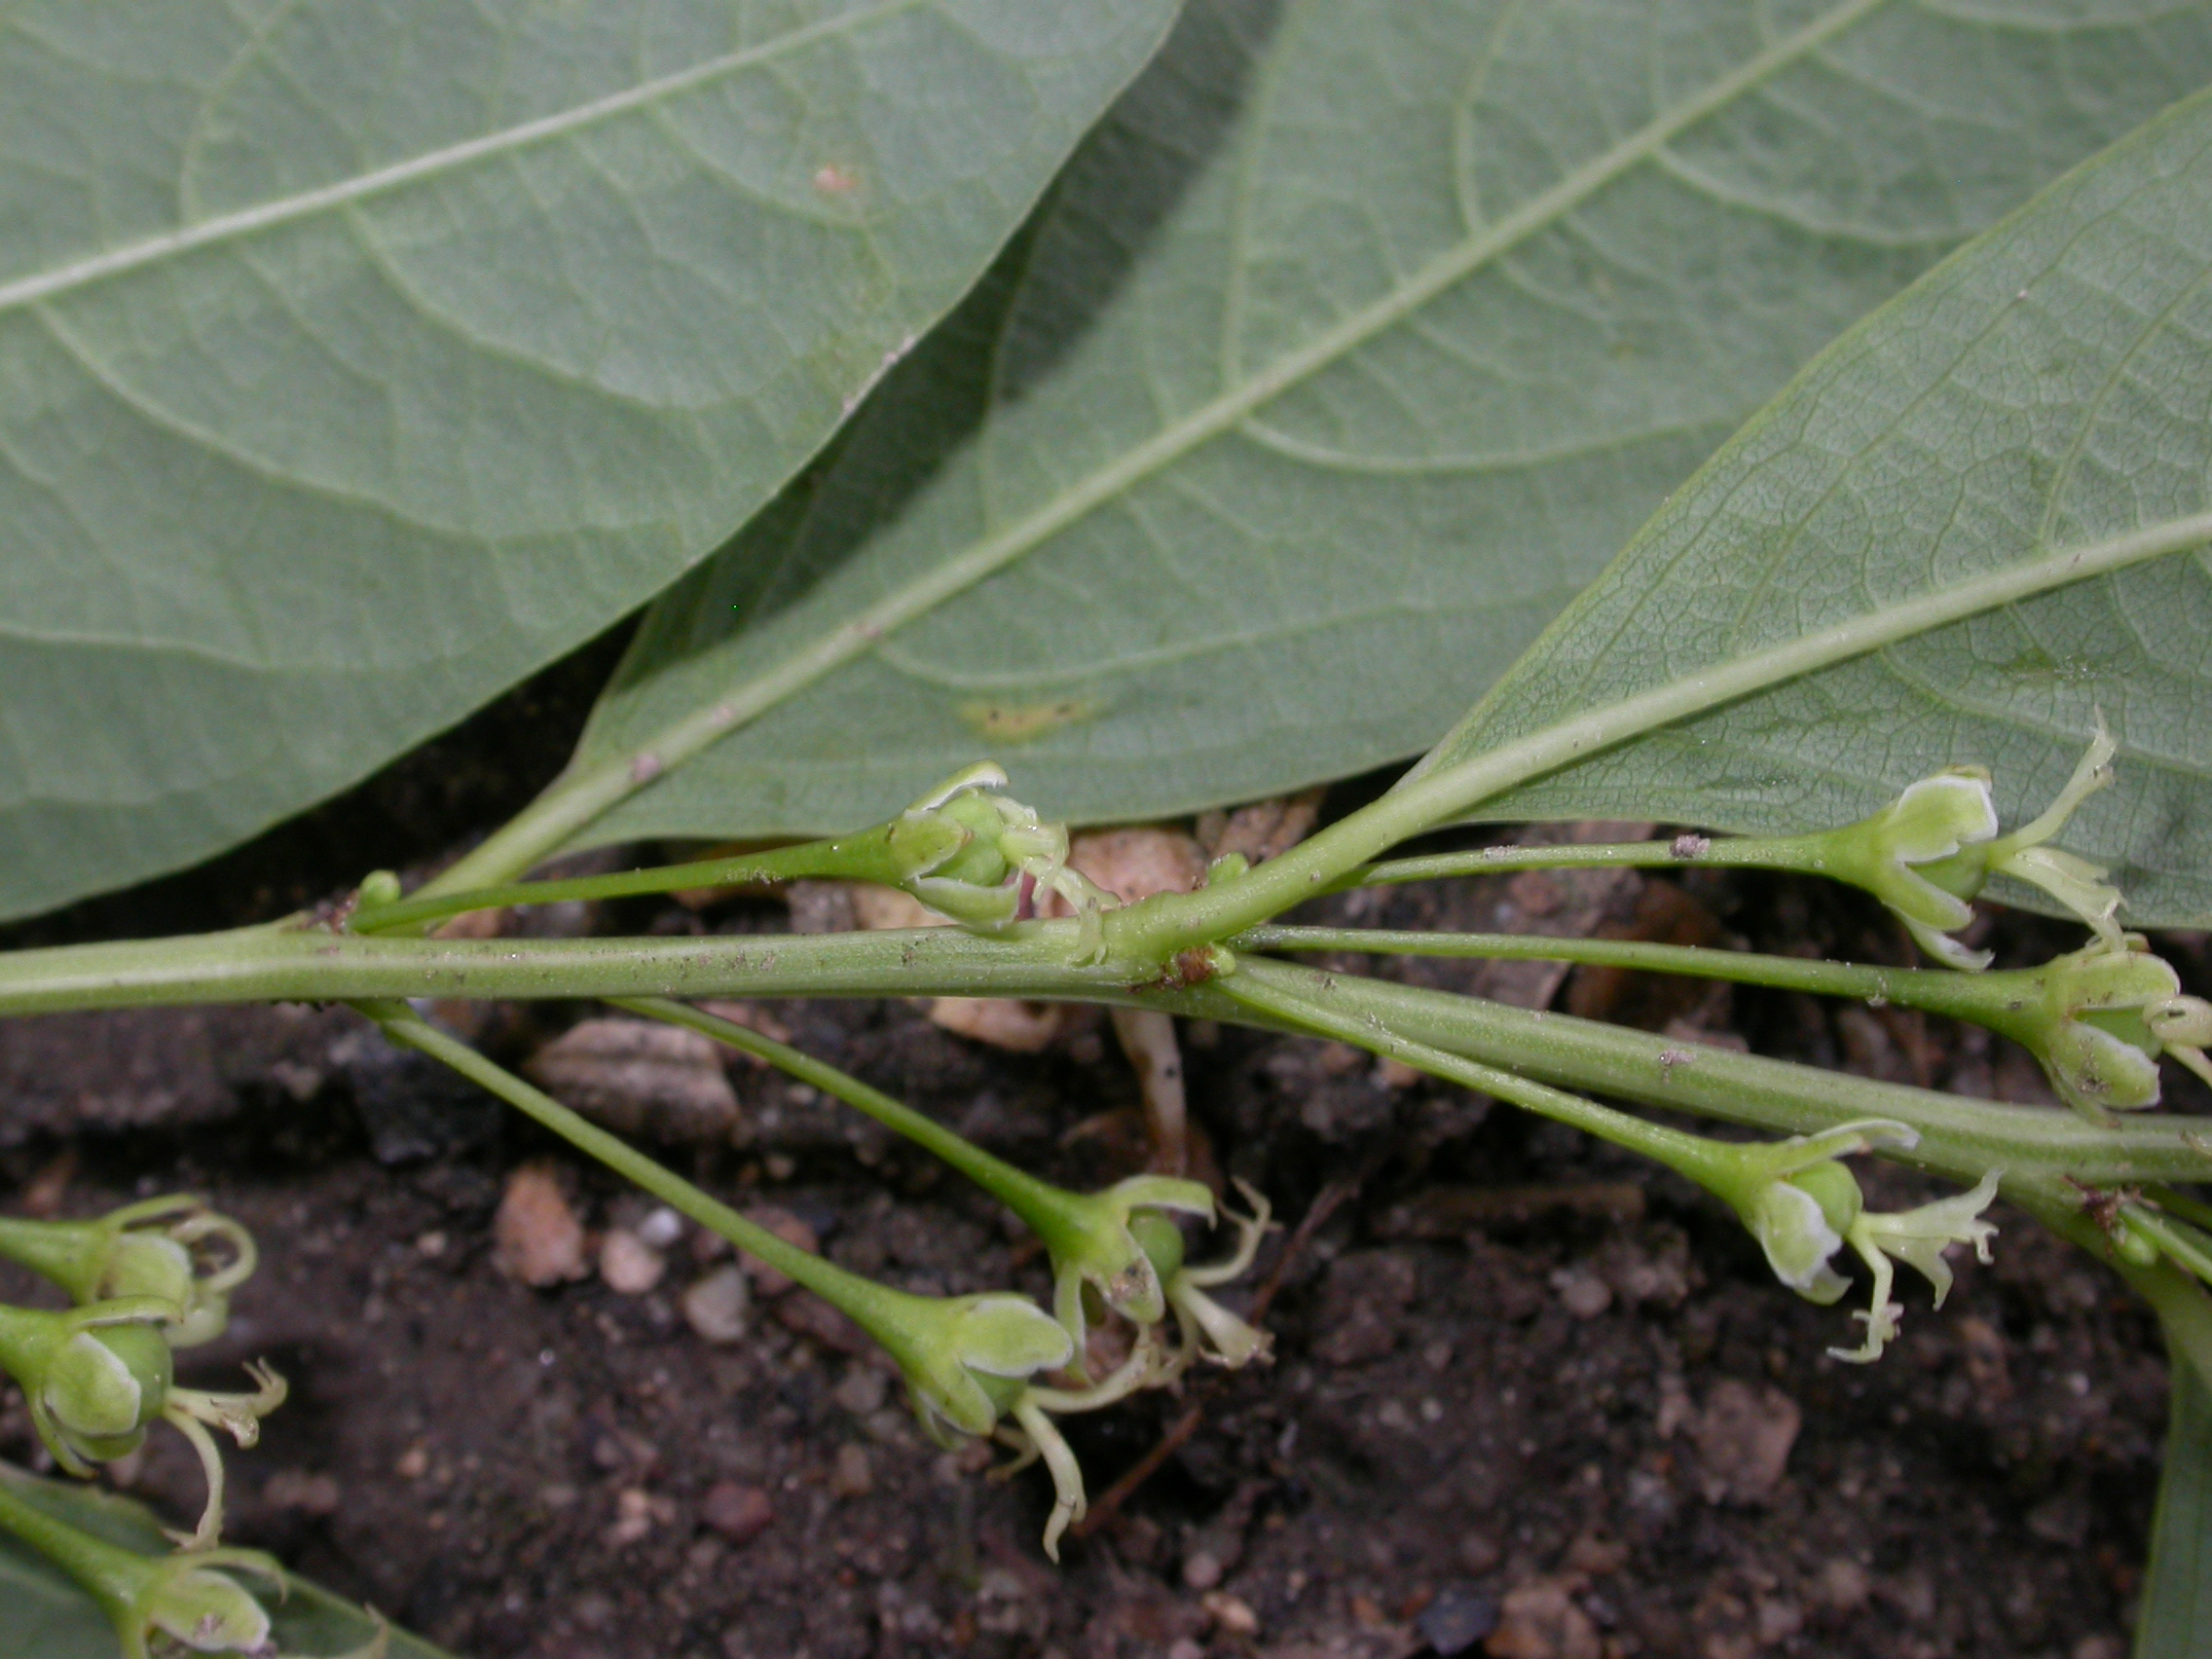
(248, 221)
(687, 736)
(1456, 787)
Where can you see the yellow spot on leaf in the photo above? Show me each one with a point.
(1021, 723)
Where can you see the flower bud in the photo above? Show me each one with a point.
(2098, 1019)
(152, 1250)
(1799, 1221)
(94, 1378)
(106, 1387)
(970, 854)
(209, 1612)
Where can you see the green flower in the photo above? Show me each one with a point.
(966, 1358)
(95, 1378)
(189, 1599)
(150, 1250)
(185, 1603)
(975, 856)
(1804, 1205)
(1208, 1330)
(969, 1362)
(1796, 1197)
(1937, 845)
(98, 1377)
(1921, 1237)
(1094, 1244)
(2098, 1019)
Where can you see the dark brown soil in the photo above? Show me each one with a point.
(1514, 1370)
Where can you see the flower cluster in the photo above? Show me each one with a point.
(99, 1375)
(978, 1365)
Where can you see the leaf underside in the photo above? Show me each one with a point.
(356, 359)
(2177, 1588)
(2048, 390)
(1345, 352)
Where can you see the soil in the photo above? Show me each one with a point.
(1529, 1397)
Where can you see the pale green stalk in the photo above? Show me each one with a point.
(863, 856)
(1935, 990)
(1324, 1008)
(871, 1305)
(1016, 1188)
(1747, 852)
(1958, 1138)
(307, 963)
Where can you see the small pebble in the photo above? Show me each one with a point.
(716, 1306)
(1744, 1436)
(1202, 1570)
(850, 1475)
(862, 1392)
(627, 1263)
(1460, 1617)
(536, 1237)
(1479, 1552)
(739, 1513)
(1232, 1616)
(1844, 1585)
(661, 1229)
(1581, 1292)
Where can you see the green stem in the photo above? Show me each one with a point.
(876, 1309)
(864, 857)
(1964, 996)
(309, 964)
(1682, 853)
(2180, 1300)
(2182, 1205)
(1018, 1190)
(1692, 1155)
(111, 1574)
(1958, 1138)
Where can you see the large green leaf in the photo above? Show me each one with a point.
(1348, 348)
(2176, 1620)
(2037, 408)
(356, 357)
(44, 1615)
